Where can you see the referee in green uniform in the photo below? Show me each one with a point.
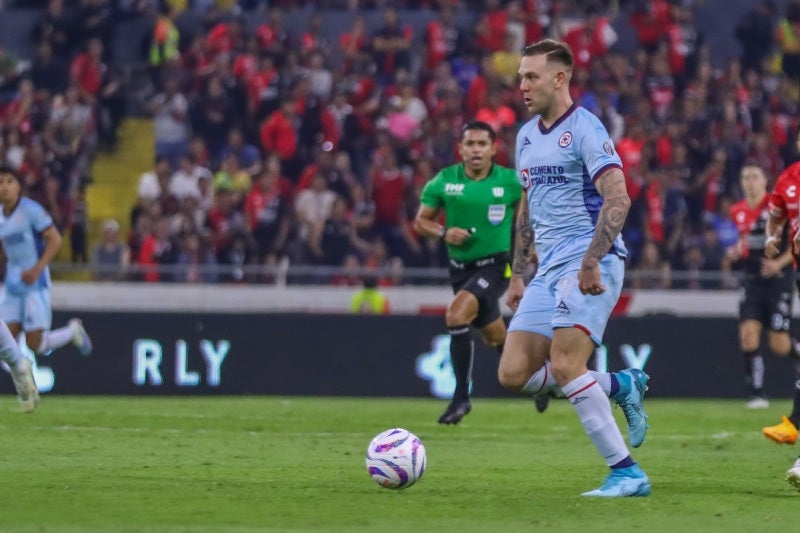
(479, 200)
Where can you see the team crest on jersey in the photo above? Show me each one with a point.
(497, 191)
(565, 139)
(526, 178)
(608, 148)
(496, 214)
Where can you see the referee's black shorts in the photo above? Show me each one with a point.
(487, 282)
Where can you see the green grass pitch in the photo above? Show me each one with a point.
(83, 464)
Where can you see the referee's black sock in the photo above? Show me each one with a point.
(461, 352)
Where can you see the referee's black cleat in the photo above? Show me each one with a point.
(455, 412)
(541, 401)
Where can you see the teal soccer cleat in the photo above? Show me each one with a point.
(623, 482)
(630, 398)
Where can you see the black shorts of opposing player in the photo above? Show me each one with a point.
(769, 302)
(485, 278)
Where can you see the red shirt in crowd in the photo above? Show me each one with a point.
(585, 46)
(436, 41)
(655, 212)
(261, 86)
(651, 22)
(389, 192)
(279, 136)
(493, 37)
(630, 152)
(87, 73)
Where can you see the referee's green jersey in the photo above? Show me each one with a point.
(485, 207)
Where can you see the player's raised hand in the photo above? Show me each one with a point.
(590, 280)
(515, 289)
(456, 236)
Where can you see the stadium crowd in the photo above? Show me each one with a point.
(274, 145)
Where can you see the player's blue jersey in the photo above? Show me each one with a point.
(21, 236)
(557, 167)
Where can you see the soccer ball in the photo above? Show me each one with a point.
(396, 459)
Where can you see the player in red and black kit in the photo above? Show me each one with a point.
(768, 283)
(783, 208)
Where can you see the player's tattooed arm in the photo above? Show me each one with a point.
(524, 251)
(616, 204)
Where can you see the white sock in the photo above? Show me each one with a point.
(9, 349)
(541, 381)
(55, 339)
(594, 410)
(603, 379)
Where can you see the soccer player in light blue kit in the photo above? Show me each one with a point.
(572, 211)
(30, 241)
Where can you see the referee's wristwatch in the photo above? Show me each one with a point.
(442, 232)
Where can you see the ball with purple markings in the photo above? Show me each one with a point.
(396, 459)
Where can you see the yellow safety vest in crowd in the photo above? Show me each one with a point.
(369, 301)
(789, 42)
(164, 34)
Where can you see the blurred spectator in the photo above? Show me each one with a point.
(185, 182)
(443, 39)
(234, 257)
(153, 184)
(48, 72)
(389, 185)
(163, 44)
(319, 76)
(591, 39)
(363, 212)
(312, 207)
(268, 214)
(789, 41)
(157, 249)
(70, 137)
(78, 224)
(651, 270)
(195, 261)
(336, 238)
(505, 62)
(756, 33)
(213, 116)
(490, 29)
(263, 89)
(352, 44)
(650, 19)
(248, 156)
(278, 135)
(54, 28)
(231, 177)
(110, 257)
(170, 122)
(391, 47)
(496, 113)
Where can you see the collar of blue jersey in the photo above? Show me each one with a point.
(558, 121)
